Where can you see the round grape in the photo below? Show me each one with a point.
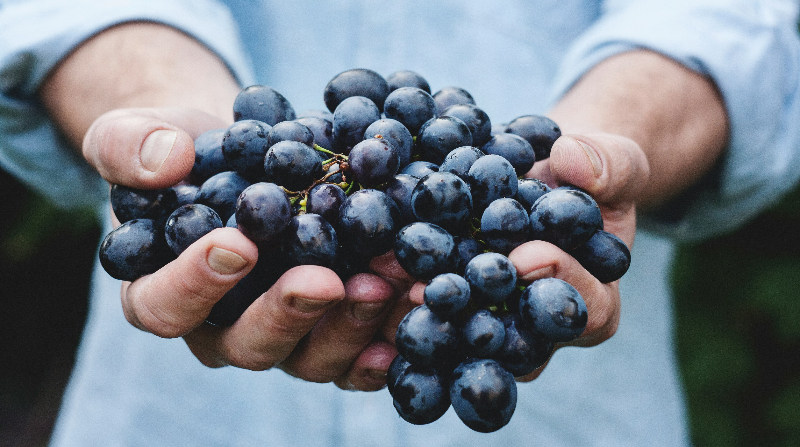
(483, 395)
(263, 211)
(189, 223)
(553, 308)
(262, 103)
(447, 295)
(492, 277)
(425, 250)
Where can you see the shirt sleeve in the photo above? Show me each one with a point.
(751, 51)
(35, 35)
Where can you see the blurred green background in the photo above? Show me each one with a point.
(737, 311)
(45, 260)
(737, 308)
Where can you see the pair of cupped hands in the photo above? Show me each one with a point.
(310, 324)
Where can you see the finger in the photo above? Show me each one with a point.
(387, 267)
(329, 350)
(178, 297)
(274, 324)
(417, 293)
(401, 306)
(538, 259)
(611, 168)
(368, 372)
(146, 148)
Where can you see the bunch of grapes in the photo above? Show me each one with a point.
(390, 166)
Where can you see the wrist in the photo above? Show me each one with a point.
(136, 64)
(675, 115)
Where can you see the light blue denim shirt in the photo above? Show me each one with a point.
(515, 57)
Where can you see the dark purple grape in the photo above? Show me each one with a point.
(325, 199)
(397, 367)
(263, 211)
(189, 223)
(604, 255)
(553, 308)
(492, 277)
(421, 396)
(443, 199)
(565, 217)
(513, 148)
(541, 132)
(425, 250)
(321, 129)
(523, 350)
(483, 395)
(450, 96)
(400, 188)
(368, 222)
(529, 190)
(427, 341)
(447, 295)
(356, 82)
(483, 334)
(468, 248)
(185, 193)
(244, 146)
(316, 113)
(134, 249)
(420, 168)
(478, 122)
(460, 159)
(293, 165)
(220, 192)
(491, 177)
(310, 240)
(505, 225)
(438, 136)
(290, 131)
(208, 157)
(262, 103)
(407, 78)
(411, 106)
(350, 120)
(396, 134)
(132, 203)
(373, 162)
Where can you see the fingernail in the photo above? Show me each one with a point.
(306, 305)
(367, 311)
(594, 159)
(156, 148)
(544, 272)
(224, 261)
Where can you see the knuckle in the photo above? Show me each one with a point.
(158, 322)
(603, 320)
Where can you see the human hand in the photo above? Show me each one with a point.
(313, 329)
(613, 170)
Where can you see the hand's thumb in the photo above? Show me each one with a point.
(146, 148)
(611, 168)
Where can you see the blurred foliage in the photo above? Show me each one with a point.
(737, 303)
(46, 255)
